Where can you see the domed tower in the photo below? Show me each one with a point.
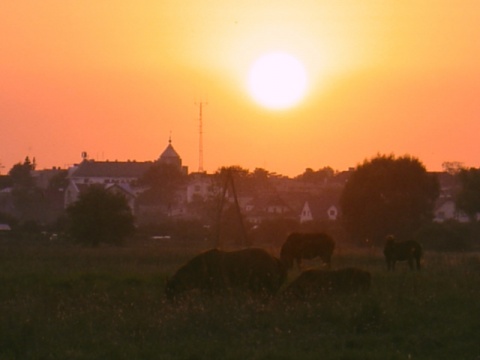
(170, 156)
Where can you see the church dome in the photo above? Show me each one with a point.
(170, 156)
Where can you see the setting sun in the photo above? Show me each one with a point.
(277, 81)
(318, 83)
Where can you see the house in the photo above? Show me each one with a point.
(43, 177)
(6, 201)
(318, 211)
(5, 227)
(284, 185)
(259, 209)
(200, 186)
(446, 209)
(324, 207)
(106, 173)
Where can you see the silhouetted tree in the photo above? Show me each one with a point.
(161, 181)
(21, 174)
(388, 195)
(468, 197)
(240, 176)
(5, 181)
(100, 216)
(59, 181)
(28, 199)
(204, 209)
(452, 167)
(235, 169)
(253, 183)
(319, 176)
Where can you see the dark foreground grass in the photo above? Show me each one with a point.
(64, 302)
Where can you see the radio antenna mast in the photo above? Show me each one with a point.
(200, 137)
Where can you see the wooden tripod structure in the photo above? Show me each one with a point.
(230, 183)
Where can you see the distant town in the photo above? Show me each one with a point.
(261, 196)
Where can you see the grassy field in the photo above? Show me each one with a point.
(67, 302)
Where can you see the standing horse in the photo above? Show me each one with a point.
(300, 246)
(394, 251)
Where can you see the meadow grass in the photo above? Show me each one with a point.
(67, 302)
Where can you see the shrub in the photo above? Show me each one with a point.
(100, 216)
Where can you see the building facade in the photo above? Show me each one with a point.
(118, 176)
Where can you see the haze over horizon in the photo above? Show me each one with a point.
(116, 79)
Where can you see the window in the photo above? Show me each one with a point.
(332, 213)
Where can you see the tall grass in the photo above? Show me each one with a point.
(67, 302)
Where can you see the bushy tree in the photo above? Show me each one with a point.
(240, 177)
(161, 181)
(100, 216)
(468, 197)
(319, 176)
(21, 174)
(388, 195)
(256, 182)
(28, 199)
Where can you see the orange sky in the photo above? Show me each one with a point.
(115, 78)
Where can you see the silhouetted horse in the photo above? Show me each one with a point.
(313, 283)
(300, 246)
(217, 271)
(394, 251)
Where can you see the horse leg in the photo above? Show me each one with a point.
(410, 263)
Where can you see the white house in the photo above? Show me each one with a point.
(314, 210)
(446, 210)
(322, 207)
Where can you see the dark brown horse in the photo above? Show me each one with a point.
(300, 246)
(394, 251)
(216, 272)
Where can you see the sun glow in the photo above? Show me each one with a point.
(277, 81)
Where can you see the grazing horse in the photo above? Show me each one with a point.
(216, 272)
(314, 283)
(394, 251)
(300, 246)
